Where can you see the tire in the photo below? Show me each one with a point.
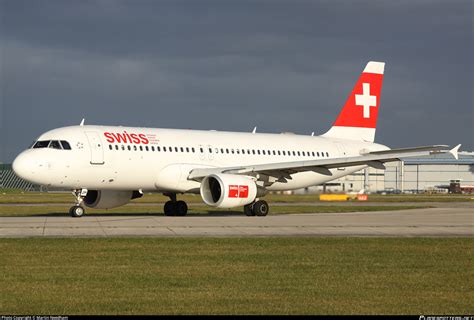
(170, 208)
(260, 208)
(248, 210)
(181, 208)
(77, 211)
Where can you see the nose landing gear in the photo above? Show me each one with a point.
(77, 210)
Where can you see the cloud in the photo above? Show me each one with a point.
(230, 65)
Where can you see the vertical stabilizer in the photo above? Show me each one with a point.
(358, 117)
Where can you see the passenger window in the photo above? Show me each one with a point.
(284, 153)
(210, 150)
(176, 149)
(202, 150)
(312, 153)
(274, 153)
(263, 152)
(253, 151)
(232, 150)
(238, 152)
(110, 146)
(129, 148)
(116, 147)
(141, 148)
(192, 149)
(66, 145)
(187, 149)
(226, 150)
(158, 149)
(258, 152)
(182, 149)
(123, 147)
(134, 148)
(327, 154)
(152, 148)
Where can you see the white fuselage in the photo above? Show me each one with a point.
(97, 160)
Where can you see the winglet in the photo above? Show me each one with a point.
(82, 122)
(454, 151)
(254, 130)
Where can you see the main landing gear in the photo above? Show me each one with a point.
(77, 210)
(175, 208)
(259, 208)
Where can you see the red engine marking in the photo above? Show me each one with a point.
(236, 191)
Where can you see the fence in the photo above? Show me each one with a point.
(9, 180)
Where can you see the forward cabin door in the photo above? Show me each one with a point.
(96, 148)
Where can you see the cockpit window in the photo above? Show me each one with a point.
(66, 145)
(41, 144)
(55, 145)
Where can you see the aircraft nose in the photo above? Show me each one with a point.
(23, 165)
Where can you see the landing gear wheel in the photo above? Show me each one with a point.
(248, 210)
(76, 211)
(181, 208)
(170, 208)
(260, 208)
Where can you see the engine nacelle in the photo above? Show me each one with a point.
(107, 199)
(228, 190)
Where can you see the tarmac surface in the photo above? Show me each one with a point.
(432, 222)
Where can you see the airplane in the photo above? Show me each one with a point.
(108, 166)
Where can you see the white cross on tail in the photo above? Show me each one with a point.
(366, 100)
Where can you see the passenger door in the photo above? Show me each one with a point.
(96, 148)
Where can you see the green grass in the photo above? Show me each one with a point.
(55, 210)
(237, 276)
(9, 196)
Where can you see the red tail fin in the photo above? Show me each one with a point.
(358, 118)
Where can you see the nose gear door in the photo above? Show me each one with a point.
(95, 146)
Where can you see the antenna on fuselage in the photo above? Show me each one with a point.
(254, 130)
(312, 134)
(82, 122)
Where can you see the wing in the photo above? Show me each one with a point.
(282, 171)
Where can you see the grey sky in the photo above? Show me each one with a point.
(231, 65)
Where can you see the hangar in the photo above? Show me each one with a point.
(413, 175)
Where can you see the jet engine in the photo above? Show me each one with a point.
(228, 190)
(106, 199)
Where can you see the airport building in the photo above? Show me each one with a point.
(413, 175)
(424, 174)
